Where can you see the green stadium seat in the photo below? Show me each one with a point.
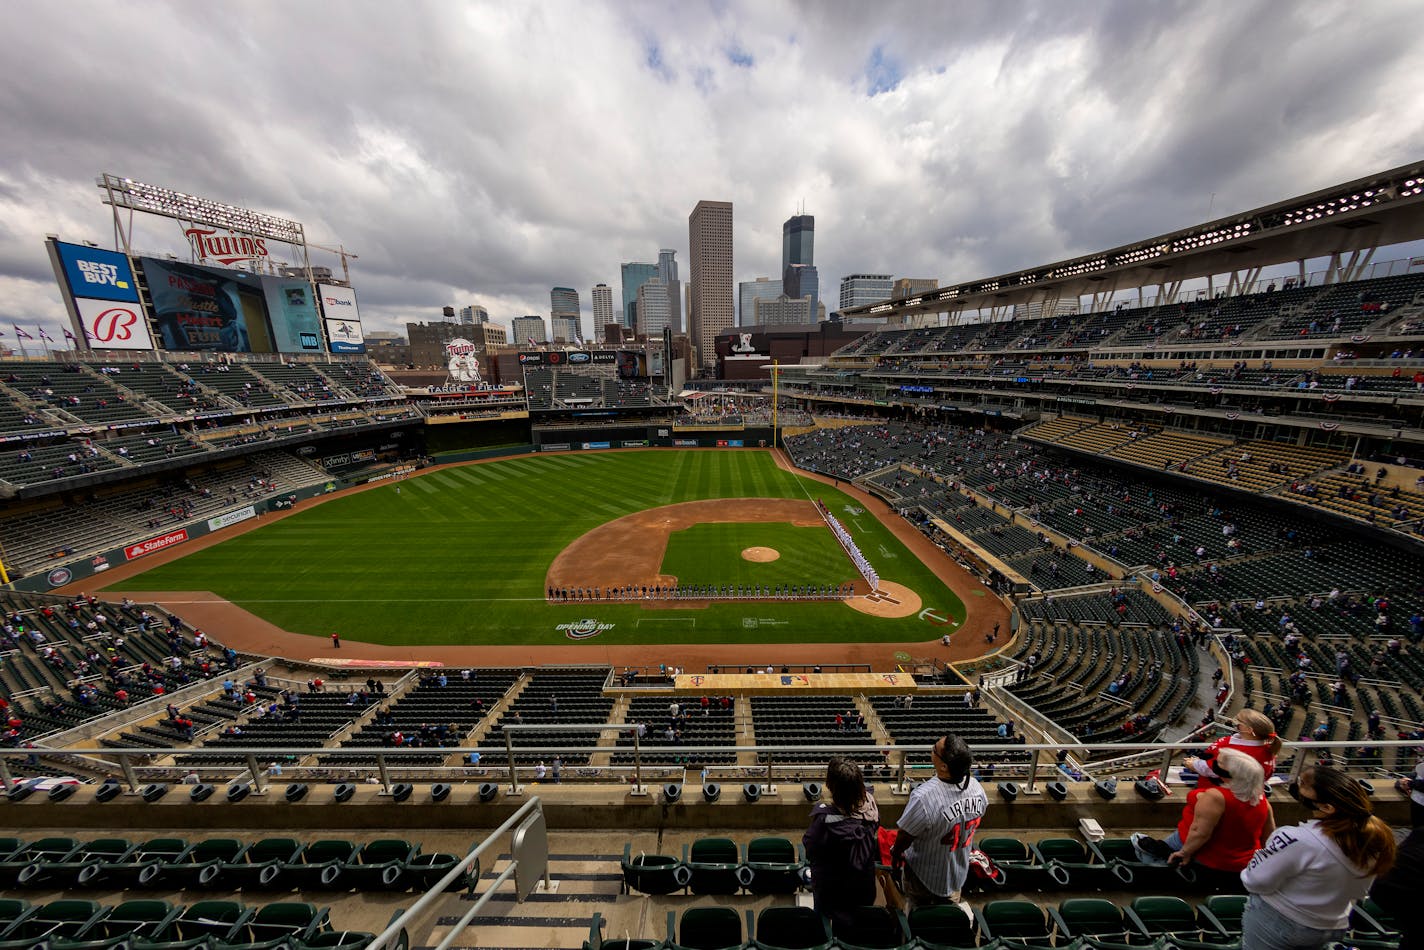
(714, 863)
(595, 939)
(278, 924)
(317, 866)
(789, 928)
(380, 864)
(258, 866)
(705, 928)
(27, 862)
(1084, 869)
(141, 865)
(61, 918)
(772, 866)
(1023, 871)
(872, 928)
(197, 926)
(1091, 917)
(1014, 923)
(125, 922)
(943, 927)
(81, 867)
(1165, 917)
(12, 911)
(653, 873)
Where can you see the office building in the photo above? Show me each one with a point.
(667, 271)
(602, 306)
(802, 280)
(910, 286)
(652, 308)
(473, 314)
(749, 292)
(857, 290)
(525, 329)
(634, 273)
(427, 341)
(782, 311)
(565, 329)
(799, 277)
(709, 233)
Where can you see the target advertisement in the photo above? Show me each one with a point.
(343, 319)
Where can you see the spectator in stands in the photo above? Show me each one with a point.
(842, 845)
(1221, 825)
(935, 832)
(1413, 786)
(1255, 736)
(1304, 882)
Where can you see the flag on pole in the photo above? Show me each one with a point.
(531, 342)
(21, 333)
(70, 336)
(44, 336)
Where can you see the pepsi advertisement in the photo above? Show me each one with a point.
(206, 309)
(96, 273)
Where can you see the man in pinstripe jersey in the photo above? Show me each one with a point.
(936, 831)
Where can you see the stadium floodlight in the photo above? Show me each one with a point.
(153, 199)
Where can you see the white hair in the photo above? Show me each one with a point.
(1247, 779)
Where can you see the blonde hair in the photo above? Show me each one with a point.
(1246, 778)
(1262, 728)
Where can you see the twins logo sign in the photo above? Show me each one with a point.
(584, 629)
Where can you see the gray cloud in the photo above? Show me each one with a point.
(485, 152)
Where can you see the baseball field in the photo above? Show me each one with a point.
(468, 555)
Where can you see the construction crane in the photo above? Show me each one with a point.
(344, 254)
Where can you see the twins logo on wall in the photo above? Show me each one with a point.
(464, 365)
(584, 629)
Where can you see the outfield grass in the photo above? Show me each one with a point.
(460, 556)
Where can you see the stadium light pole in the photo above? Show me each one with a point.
(775, 384)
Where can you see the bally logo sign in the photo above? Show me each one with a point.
(208, 245)
(135, 551)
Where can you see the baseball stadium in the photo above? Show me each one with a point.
(555, 646)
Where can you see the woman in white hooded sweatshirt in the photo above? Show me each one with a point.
(1306, 878)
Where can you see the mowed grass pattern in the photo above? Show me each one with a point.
(460, 556)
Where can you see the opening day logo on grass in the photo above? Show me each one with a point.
(583, 629)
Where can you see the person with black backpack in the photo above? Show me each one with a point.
(842, 844)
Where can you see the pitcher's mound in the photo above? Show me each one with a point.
(891, 600)
(760, 554)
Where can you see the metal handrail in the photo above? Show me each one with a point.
(396, 926)
(385, 757)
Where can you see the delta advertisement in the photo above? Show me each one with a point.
(205, 309)
(343, 319)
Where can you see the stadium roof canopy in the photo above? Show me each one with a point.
(1347, 219)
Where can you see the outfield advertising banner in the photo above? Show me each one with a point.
(135, 551)
(203, 308)
(109, 325)
(343, 318)
(292, 313)
(97, 273)
(232, 518)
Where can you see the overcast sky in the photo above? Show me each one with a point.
(484, 152)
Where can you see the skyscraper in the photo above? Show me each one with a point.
(634, 273)
(709, 233)
(749, 292)
(799, 277)
(652, 308)
(528, 328)
(565, 329)
(602, 306)
(798, 240)
(473, 314)
(667, 270)
(857, 290)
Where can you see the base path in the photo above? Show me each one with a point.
(229, 624)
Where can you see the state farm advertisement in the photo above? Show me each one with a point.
(135, 551)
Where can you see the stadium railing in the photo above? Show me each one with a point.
(1033, 770)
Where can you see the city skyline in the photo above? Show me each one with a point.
(942, 143)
